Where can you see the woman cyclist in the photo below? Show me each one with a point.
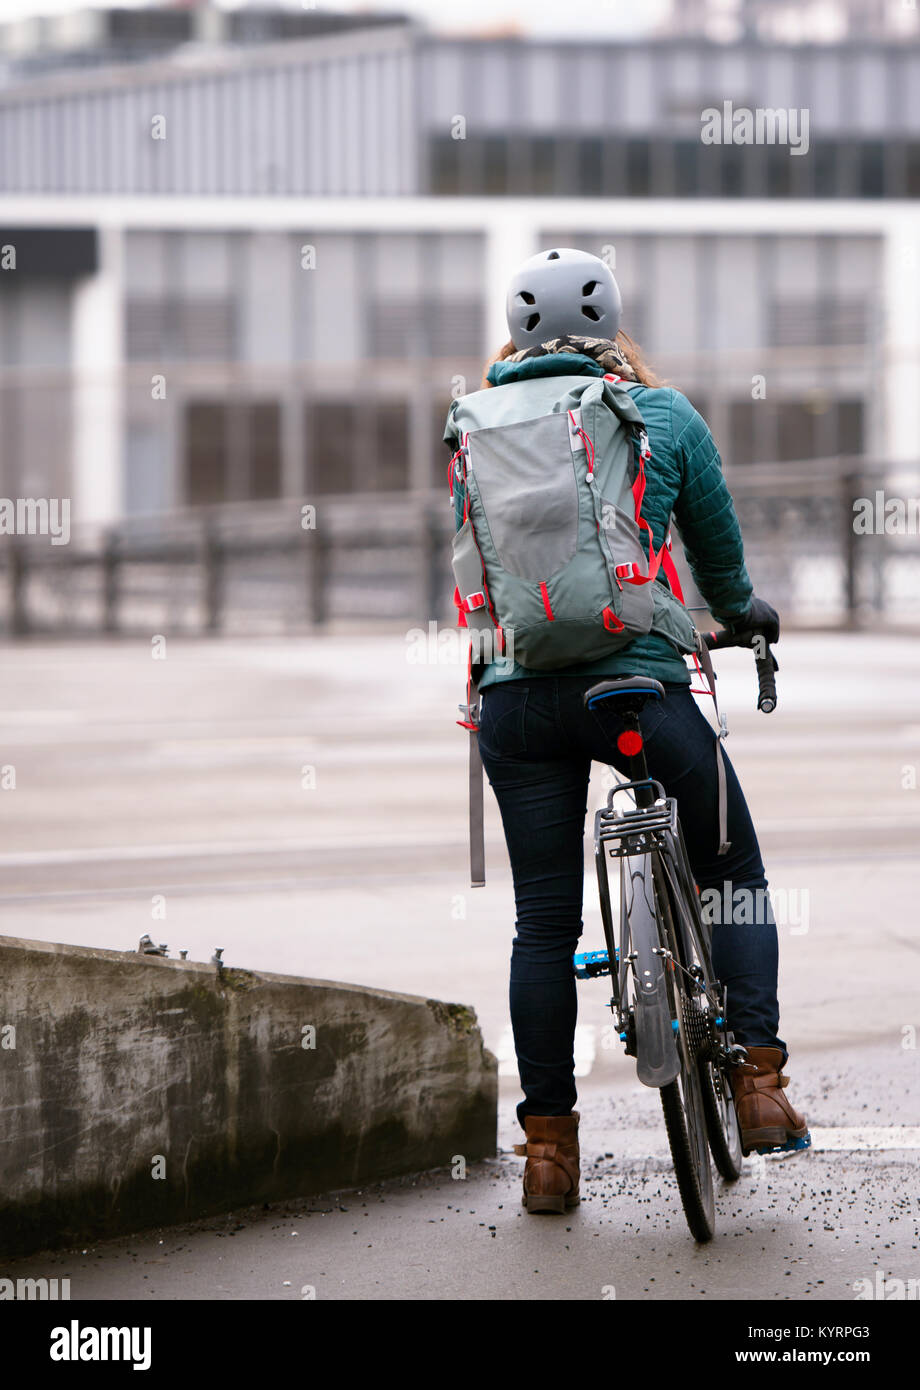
(537, 742)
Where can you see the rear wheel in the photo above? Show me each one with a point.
(682, 1100)
(686, 1126)
(708, 1037)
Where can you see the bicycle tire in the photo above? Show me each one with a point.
(695, 1186)
(682, 1103)
(721, 1121)
(718, 1106)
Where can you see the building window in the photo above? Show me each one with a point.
(841, 322)
(409, 327)
(734, 161)
(232, 451)
(358, 446)
(590, 168)
(495, 157)
(872, 169)
(912, 170)
(779, 171)
(687, 168)
(264, 448)
(824, 157)
(811, 427)
(638, 169)
(445, 156)
(186, 329)
(741, 442)
(850, 427)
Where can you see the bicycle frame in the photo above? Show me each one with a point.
(669, 1005)
(649, 844)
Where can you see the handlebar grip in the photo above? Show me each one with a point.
(766, 665)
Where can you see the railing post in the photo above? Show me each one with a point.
(110, 575)
(319, 552)
(433, 562)
(19, 617)
(213, 577)
(851, 490)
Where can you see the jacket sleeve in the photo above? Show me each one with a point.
(704, 515)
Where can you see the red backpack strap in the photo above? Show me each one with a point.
(670, 569)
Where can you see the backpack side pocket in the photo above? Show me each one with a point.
(466, 563)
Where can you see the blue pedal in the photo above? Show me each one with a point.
(589, 964)
(791, 1146)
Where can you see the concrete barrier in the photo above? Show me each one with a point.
(137, 1090)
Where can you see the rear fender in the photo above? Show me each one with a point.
(657, 1060)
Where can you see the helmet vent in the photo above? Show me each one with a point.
(553, 256)
(526, 297)
(590, 313)
(531, 322)
(589, 288)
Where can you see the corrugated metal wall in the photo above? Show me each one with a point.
(662, 87)
(355, 114)
(328, 117)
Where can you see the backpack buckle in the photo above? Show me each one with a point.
(470, 714)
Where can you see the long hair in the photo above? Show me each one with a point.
(630, 350)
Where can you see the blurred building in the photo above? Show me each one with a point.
(255, 260)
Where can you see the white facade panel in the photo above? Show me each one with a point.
(674, 294)
(736, 313)
(911, 90)
(823, 85)
(639, 99)
(542, 100)
(870, 96)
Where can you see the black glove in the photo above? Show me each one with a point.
(760, 618)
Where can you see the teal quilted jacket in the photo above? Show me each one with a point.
(684, 481)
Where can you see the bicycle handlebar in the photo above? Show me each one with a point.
(766, 663)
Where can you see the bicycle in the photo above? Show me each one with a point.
(669, 1007)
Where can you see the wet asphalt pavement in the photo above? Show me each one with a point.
(185, 778)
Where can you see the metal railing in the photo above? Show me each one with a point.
(297, 565)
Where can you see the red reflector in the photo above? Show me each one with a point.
(629, 743)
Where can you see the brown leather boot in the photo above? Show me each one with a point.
(551, 1172)
(765, 1117)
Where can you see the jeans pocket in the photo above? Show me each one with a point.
(501, 719)
(652, 718)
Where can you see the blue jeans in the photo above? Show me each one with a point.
(537, 742)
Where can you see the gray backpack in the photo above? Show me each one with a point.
(554, 557)
(554, 563)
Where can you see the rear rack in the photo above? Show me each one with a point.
(637, 828)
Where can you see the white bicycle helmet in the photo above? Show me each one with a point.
(559, 292)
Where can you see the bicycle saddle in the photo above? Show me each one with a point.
(640, 688)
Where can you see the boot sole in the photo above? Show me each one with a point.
(547, 1203)
(770, 1136)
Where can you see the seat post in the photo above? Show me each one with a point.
(631, 743)
(628, 696)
